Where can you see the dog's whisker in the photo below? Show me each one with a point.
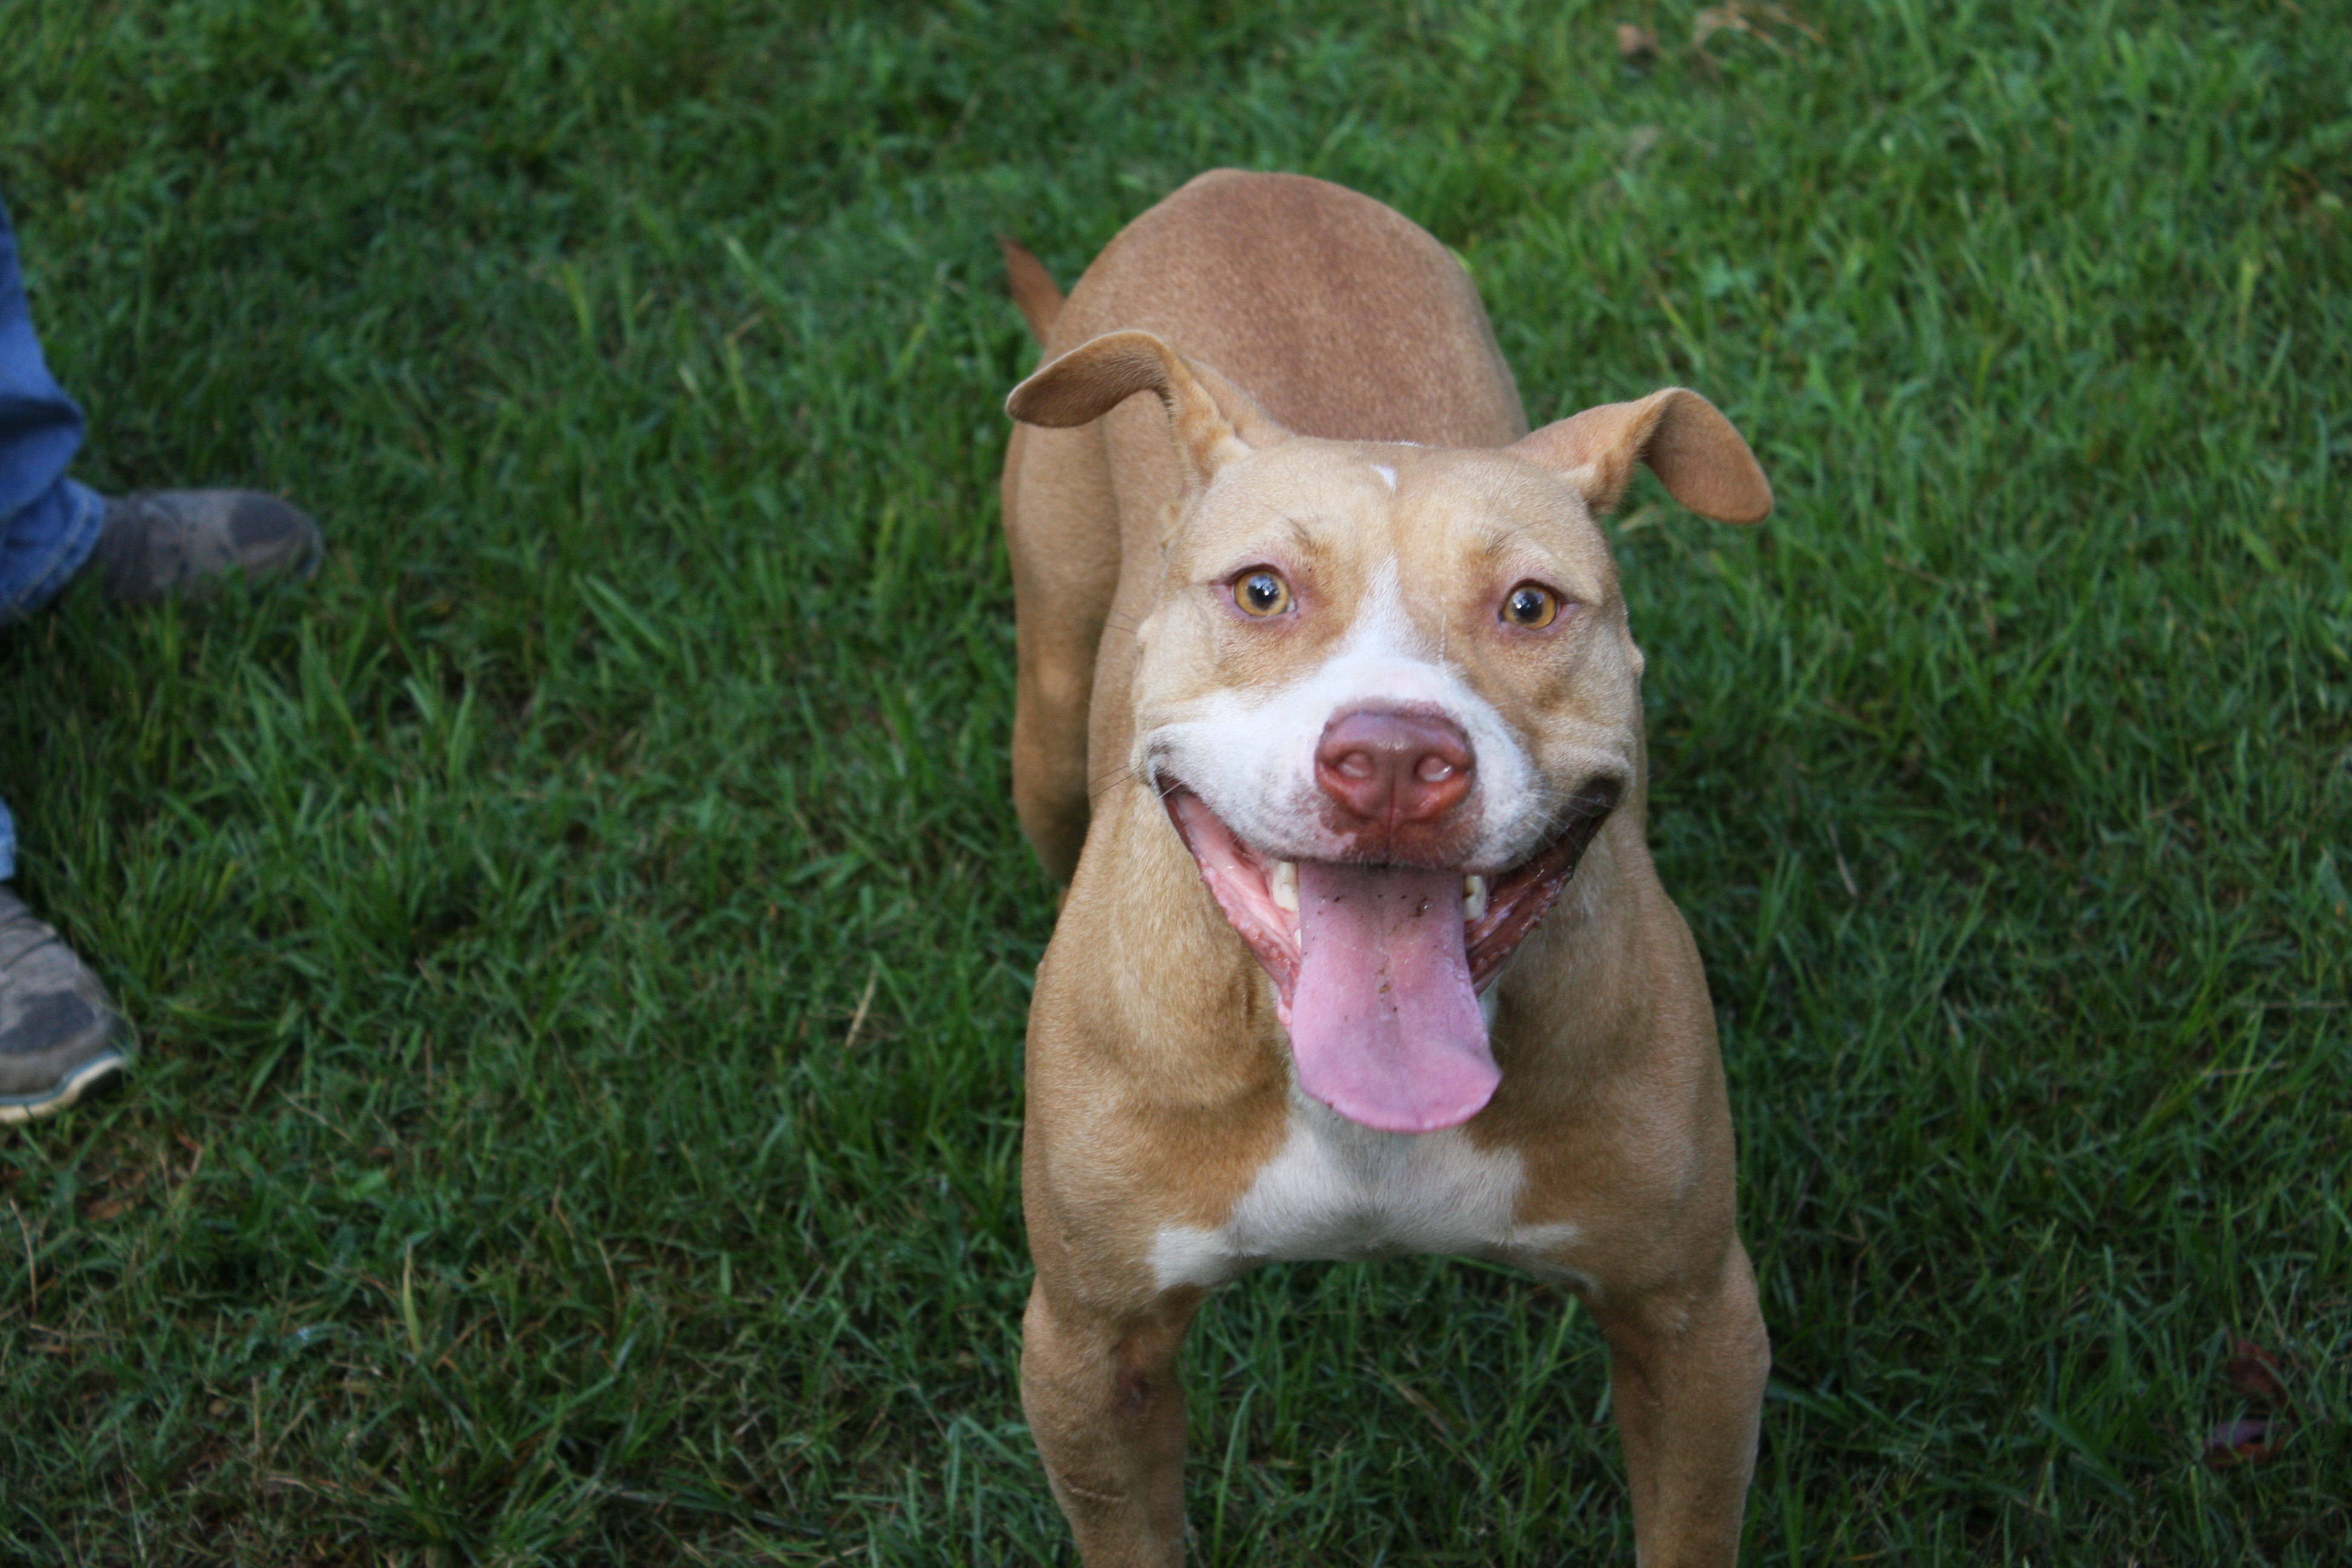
(1098, 788)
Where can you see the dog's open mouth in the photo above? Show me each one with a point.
(1377, 969)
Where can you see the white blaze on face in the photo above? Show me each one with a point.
(1250, 754)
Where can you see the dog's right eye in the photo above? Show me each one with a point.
(1261, 593)
(1531, 607)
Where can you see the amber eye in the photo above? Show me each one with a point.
(1261, 593)
(1531, 607)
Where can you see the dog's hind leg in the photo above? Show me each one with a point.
(1061, 526)
(1107, 1412)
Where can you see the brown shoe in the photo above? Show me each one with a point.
(158, 543)
(60, 1039)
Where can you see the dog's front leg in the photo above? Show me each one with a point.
(1687, 1376)
(1107, 1413)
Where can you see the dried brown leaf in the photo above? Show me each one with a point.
(1733, 18)
(2249, 1440)
(1787, 18)
(2254, 1373)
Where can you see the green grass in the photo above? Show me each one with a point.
(580, 941)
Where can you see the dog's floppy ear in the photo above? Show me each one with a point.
(1683, 438)
(1213, 421)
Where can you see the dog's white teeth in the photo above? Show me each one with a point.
(1473, 897)
(1285, 885)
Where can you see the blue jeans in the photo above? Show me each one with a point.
(49, 524)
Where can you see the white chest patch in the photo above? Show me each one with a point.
(1338, 1191)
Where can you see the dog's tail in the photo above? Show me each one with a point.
(1031, 285)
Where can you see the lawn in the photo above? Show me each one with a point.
(580, 942)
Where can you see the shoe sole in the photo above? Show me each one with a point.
(91, 1078)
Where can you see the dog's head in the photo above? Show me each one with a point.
(1388, 693)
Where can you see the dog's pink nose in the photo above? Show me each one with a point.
(1390, 769)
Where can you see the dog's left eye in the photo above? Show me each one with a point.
(1531, 607)
(1261, 593)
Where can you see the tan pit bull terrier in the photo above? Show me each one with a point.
(1330, 717)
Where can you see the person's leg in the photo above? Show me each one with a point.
(143, 547)
(49, 524)
(60, 1037)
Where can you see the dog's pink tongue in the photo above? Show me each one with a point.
(1383, 1022)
